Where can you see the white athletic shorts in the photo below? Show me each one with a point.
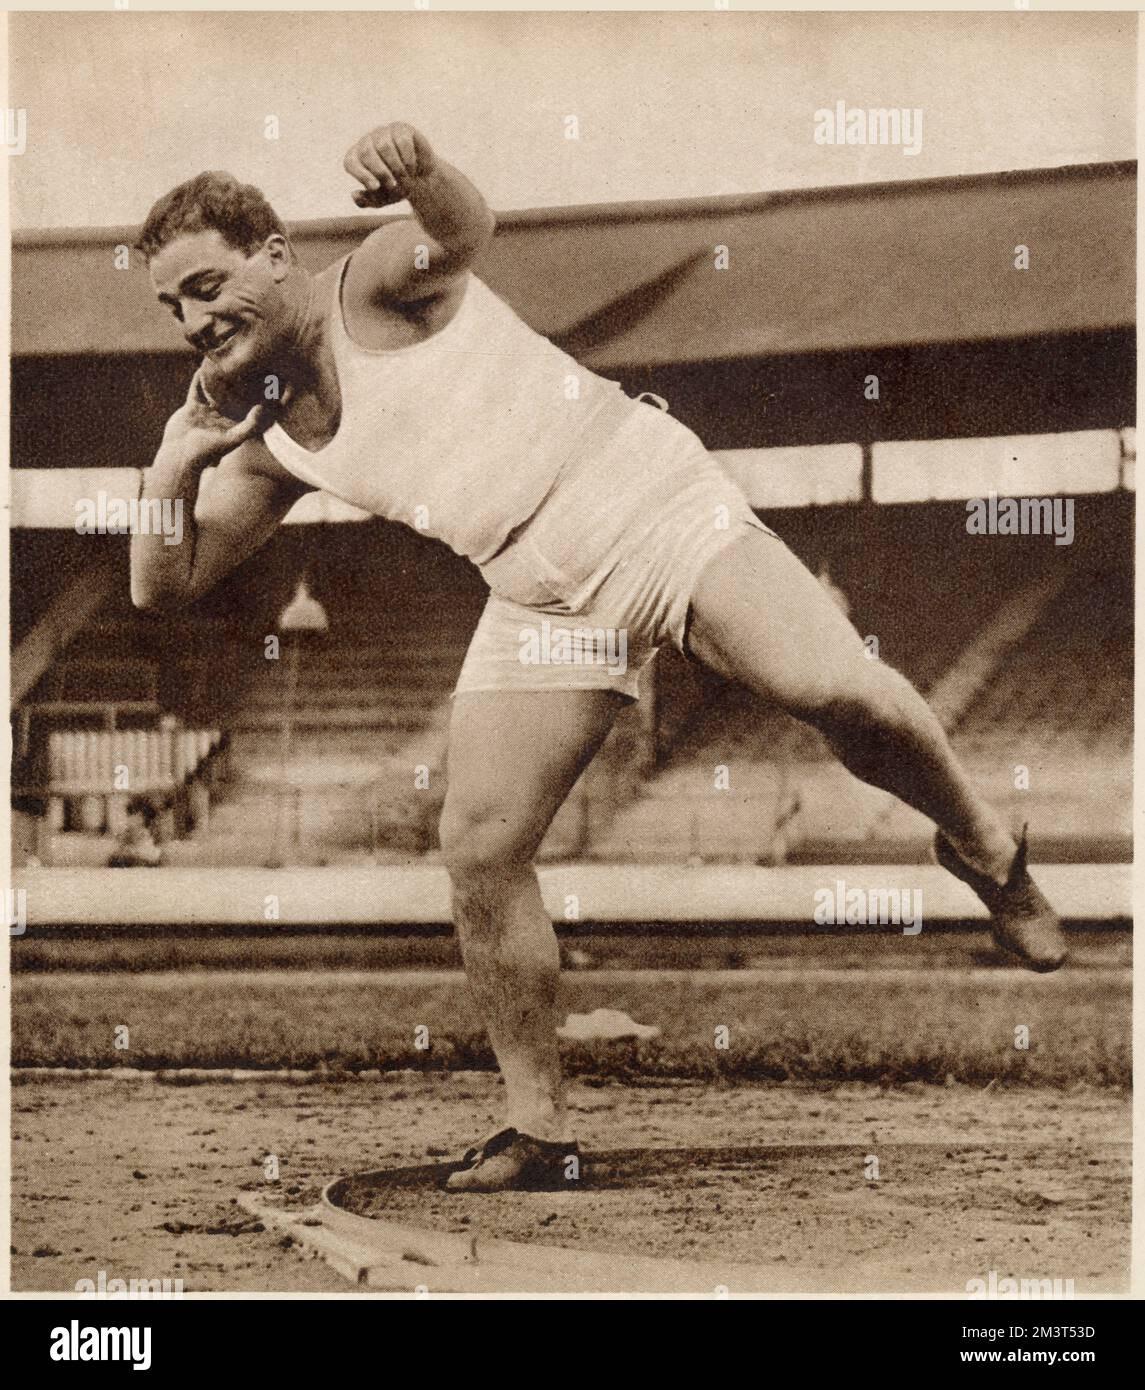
(603, 572)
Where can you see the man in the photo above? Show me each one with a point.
(397, 380)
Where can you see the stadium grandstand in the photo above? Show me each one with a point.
(896, 365)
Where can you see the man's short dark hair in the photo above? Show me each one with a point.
(213, 201)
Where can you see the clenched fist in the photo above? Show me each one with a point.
(386, 161)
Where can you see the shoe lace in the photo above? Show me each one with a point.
(496, 1143)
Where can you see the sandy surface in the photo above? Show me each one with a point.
(138, 1178)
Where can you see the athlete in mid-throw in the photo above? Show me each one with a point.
(399, 382)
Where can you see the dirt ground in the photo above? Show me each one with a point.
(139, 1178)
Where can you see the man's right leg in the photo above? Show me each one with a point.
(513, 758)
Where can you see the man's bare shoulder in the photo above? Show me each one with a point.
(377, 319)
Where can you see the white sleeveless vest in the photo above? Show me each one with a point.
(462, 435)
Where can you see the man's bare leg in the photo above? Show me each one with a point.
(513, 758)
(760, 617)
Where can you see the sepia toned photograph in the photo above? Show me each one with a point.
(571, 642)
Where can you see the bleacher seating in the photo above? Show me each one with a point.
(86, 784)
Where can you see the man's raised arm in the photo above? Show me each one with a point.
(409, 261)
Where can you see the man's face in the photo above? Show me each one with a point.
(229, 304)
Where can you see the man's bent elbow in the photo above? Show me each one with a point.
(482, 235)
(150, 598)
(461, 253)
(146, 600)
(489, 226)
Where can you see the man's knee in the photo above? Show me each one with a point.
(479, 842)
(859, 699)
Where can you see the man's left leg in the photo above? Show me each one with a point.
(760, 617)
(514, 755)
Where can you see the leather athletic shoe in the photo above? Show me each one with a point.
(511, 1161)
(1022, 920)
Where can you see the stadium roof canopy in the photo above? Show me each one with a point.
(820, 270)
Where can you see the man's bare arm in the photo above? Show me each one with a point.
(220, 525)
(415, 259)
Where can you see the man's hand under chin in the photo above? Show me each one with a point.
(231, 396)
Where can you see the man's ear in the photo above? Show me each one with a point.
(279, 254)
